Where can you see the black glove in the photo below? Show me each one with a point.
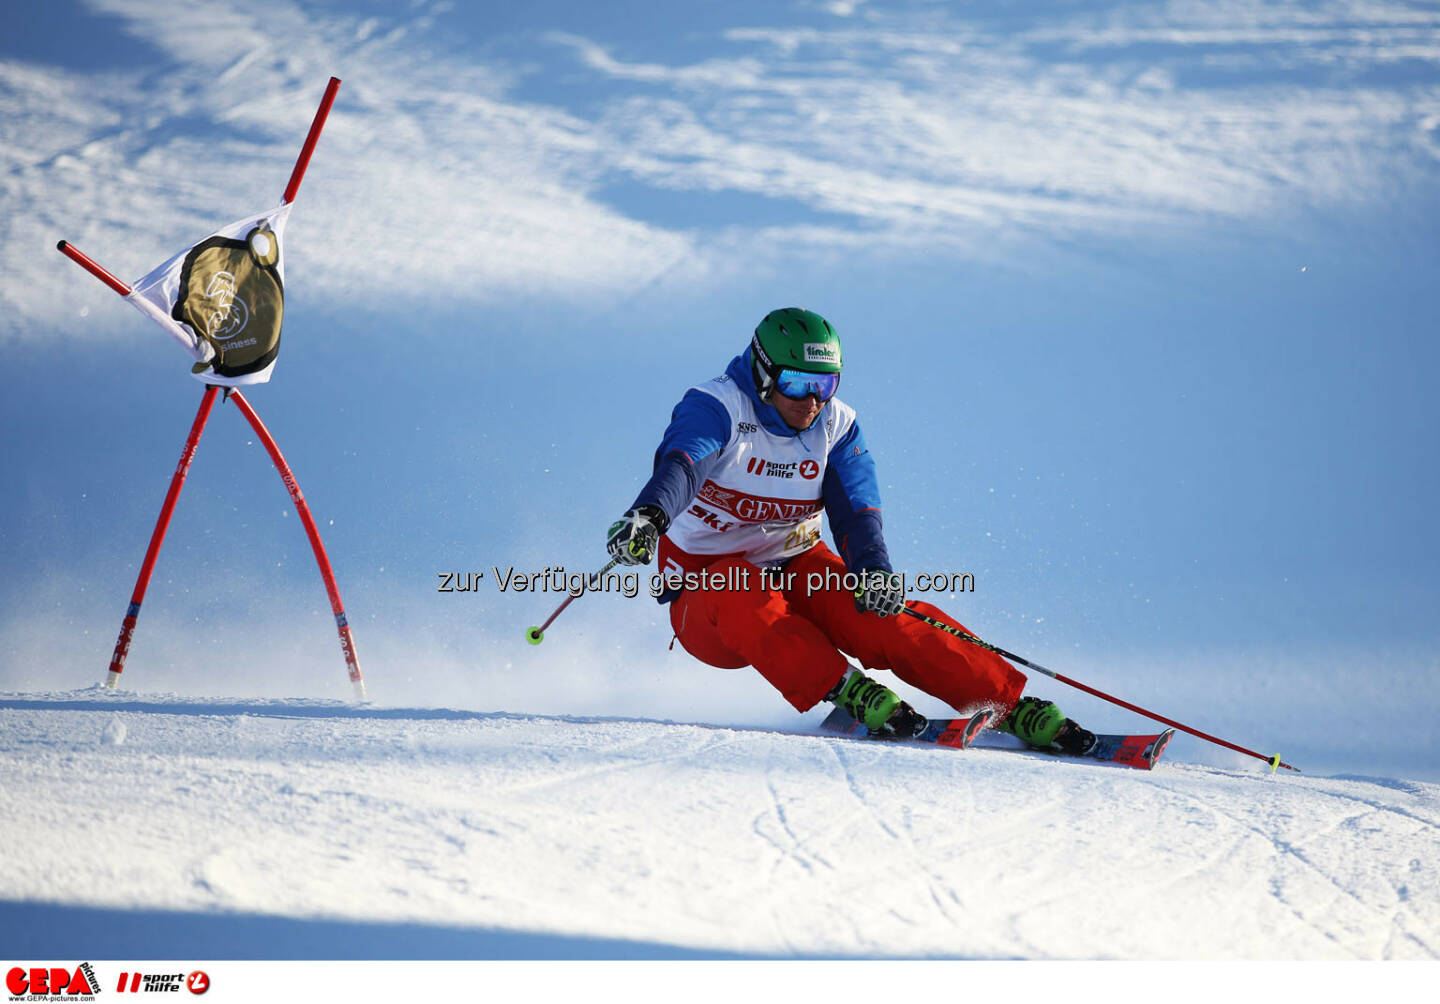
(634, 536)
(881, 593)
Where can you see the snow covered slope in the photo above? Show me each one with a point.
(143, 827)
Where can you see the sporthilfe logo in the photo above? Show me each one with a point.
(771, 468)
(196, 982)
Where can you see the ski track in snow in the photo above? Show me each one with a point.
(181, 827)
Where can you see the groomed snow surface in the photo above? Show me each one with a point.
(138, 826)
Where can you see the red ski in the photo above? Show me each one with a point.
(1137, 751)
(1132, 751)
(955, 732)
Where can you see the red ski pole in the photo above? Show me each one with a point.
(1274, 761)
(342, 625)
(535, 635)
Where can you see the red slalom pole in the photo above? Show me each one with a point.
(347, 643)
(142, 582)
(122, 645)
(1274, 761)
(303, 161)
(177, 481)
(93, 267)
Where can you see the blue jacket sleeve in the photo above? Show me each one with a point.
(851, 494)
(699, 428)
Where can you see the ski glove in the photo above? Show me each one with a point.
(881, 593)
(634, 536)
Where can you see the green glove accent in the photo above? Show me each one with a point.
(633, 538)
(881, 593)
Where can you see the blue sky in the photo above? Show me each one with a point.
(1137, 301)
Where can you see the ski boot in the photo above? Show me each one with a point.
(1043, 725)
(877, 707)
(1073, 739)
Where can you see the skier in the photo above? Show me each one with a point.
(748, 463)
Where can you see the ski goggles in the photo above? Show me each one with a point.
(798, 385)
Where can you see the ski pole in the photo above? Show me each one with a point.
(1274, 761)
(535, 635)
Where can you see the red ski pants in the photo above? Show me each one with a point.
(795, 638)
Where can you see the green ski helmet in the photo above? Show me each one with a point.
(792, 340)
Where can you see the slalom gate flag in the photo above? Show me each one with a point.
(224, 299)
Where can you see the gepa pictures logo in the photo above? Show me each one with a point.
(36, 982)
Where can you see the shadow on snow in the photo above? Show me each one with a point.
(53, 931)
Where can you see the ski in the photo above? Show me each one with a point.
(1132, 751)
(1139, 751)
(954, 732)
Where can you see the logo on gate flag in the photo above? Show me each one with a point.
(232, 296)
(224, 299)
